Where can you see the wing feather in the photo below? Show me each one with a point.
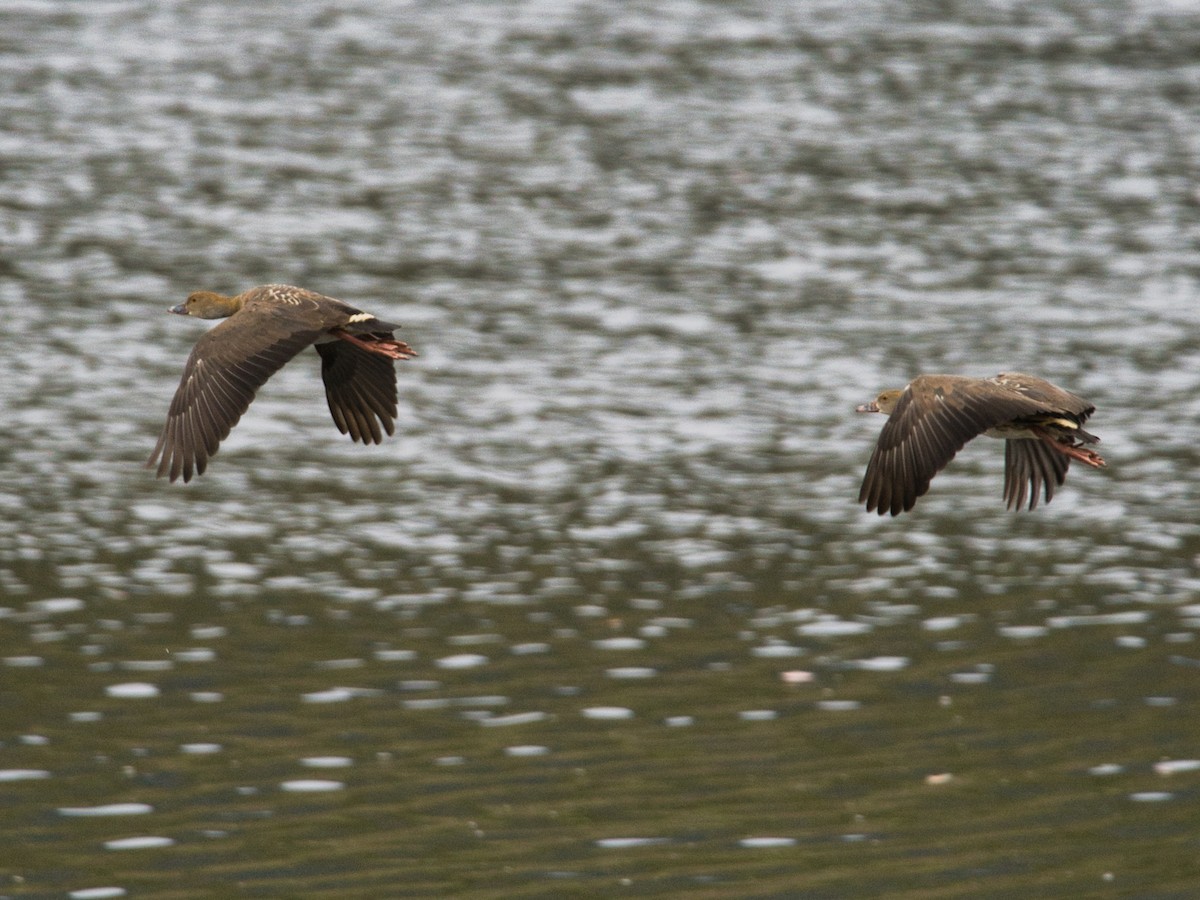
(360, 388)
(224, 371)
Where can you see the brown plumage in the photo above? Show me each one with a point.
(931, 419)
(265, 327)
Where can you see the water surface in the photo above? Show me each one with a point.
(604, 616)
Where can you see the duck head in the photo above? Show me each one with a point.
(207, 305)
(884, 403)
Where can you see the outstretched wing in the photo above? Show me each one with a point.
(226, 367)
(1030, 466)
(361, 389)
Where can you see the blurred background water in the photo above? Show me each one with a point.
(605, 616)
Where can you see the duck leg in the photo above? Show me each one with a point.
(1085, 456)
(389, 347)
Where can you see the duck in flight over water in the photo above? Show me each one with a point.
(931, 418)
(265, 327)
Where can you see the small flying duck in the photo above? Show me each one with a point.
(931, 418)
(265, 327)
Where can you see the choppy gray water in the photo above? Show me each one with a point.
(605, 618)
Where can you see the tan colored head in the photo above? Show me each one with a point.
(207, 305)
(884, 403)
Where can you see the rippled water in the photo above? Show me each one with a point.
(605, 616)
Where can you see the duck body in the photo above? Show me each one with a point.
(933, 417)
(264, 328)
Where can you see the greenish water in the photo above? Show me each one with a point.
(972, 768)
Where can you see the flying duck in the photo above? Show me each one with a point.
(933, 416)
(265, 327)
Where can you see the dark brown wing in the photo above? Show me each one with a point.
(361, 390)
(227, 366)
(1030, 465)
(933, 419)
(1050, 398)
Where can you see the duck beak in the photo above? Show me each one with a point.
(179, 310)
(868, 407)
